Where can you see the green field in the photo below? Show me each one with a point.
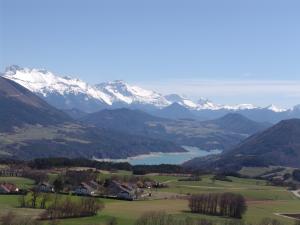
(263, 201)
(19, 181)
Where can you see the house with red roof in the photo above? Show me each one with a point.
(7, 188)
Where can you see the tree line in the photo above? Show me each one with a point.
(60, 207)
(61, 162)
(71, 208)
(225, 204)
(161, 218)
(163, 168)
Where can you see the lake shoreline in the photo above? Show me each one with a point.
(155, 158)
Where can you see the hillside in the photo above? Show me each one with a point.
(123, 119)
(31, 128)
(222, 133)
(278, 145)
(18, 107)
(238, 123)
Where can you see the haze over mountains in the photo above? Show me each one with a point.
(68, 93)
(222, 133)
(44, 115)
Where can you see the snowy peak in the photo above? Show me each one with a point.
(121, 92)
(45, 83)
(66, 92)
(274, 108)
(204, 103)
(181, 100)
(240, 107)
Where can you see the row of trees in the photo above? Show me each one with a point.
(163, 168)
(160, 218)
(48, 163)
(61, 207)
(71, 208)
(35, 199)
(225, 204)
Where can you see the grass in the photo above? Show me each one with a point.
(18, 181)
(263, 200)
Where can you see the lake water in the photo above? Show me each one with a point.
(166, 158)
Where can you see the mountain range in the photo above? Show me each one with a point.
(222, 133)
(31, 128)
(45, 115)
(70, 93)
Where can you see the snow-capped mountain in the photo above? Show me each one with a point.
(62, 92)
(204, 103)
(183, 101)
(67, 93)
(121, 92)
(275, 108)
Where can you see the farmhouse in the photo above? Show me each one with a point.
(45, 187)
(122, 191)
(7, 188)
(86, 189)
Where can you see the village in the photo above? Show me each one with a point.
(81, 182)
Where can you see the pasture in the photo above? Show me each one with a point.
(262, 200)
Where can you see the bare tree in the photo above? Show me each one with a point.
(34, 196)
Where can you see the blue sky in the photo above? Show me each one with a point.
(230, 51)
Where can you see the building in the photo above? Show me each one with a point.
(45, 187)
(7, 188)
(121, 191)
(85, 189)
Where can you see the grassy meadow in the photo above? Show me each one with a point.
(262, 200)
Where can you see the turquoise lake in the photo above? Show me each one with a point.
(167, 158)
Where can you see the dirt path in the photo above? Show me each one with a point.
(296, 193)
(282, 215)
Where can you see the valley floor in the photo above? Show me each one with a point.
(263, 201)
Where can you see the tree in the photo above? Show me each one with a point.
(22, 201)
(45, 198)
(225, 204)
(58, 185)
(69, 208)
(34, 196)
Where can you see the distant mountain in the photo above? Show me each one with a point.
(184, 102)
(278, 145)
(123, 94)
(18, 107)
(69, 93)
(124, 120)
(75, 113)
(174, 111)
(238, 123)
(30, 128)
(215, 134)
